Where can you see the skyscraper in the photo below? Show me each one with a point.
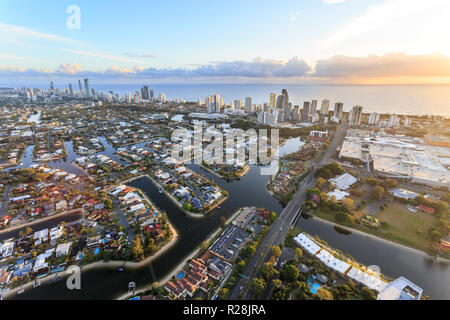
(286, 97)
(79, 85)
(280, 101)
(144, 93)
(238, 104)
(338, 110)
(325, 106)
(88, 89)
(273, 99)
(217, 103)
(305, 112)
(374, 118)
(287, 112)
(52, 87)
(394, 120)
(296, 113)
(248, 104)
(152, 94)
(356, 115)
(313, 108)
(70, 90)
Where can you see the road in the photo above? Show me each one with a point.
(5, 199)
(124, 222)
(286, 219)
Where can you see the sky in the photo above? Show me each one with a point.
(215, 41)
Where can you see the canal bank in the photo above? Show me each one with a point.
(250, 190)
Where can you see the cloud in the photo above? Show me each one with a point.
(388, 65)
(132, 55)
(102, 56)
(13, 31)
(257, 68)
(376, 17)
(72, 68)
(293, 16)
(338, 67)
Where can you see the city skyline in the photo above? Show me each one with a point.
(313, 42)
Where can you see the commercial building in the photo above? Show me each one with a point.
(325, 107)
(355, 115)
(397, 157)
(338, 111)
(305, 112)
(401, 289)
(248, 104)
(87, 88)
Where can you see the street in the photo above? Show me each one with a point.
(284, 222)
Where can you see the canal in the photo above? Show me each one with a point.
(250, 190)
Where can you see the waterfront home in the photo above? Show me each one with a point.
(62, 250)
(41, 264)
(40, 237)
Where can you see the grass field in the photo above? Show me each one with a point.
(407, 227)
(400, 225)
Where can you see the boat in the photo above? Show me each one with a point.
(160, 190)
(36, 283)
(120, 269)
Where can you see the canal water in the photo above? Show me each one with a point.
(250, 190)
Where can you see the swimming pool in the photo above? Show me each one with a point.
(96, 251)
(181, 275)
(315, 287)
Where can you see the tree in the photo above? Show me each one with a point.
(344, 218)
(108, 204)
(348, 204)
(249, 251)
(258, 286)
(240, 266)
(223, 222)
(277, 283)
(272, 217)
(289, 273)
(368, 294)
(204, 245)
(377, 193)
(28, 231)
(224, 293)
(324, 294)
(138, 250)
(320, 182)
(298, 253)
(276, 251)
(435, 236)
(267, 270)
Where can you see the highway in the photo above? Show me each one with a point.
(285, 220)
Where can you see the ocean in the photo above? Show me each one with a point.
(400, 99)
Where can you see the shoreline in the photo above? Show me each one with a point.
(175, 200)
(243, 173)
(392, 243)
(28, 224)
(100, 264)
(180, 266)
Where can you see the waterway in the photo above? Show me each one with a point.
(250, 190)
